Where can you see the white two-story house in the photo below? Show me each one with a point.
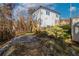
(46, 17)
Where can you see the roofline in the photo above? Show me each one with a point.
(65, 19)
(74, 17)
(76, 24)
(47, 9)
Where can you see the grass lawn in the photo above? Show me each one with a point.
(24, 33)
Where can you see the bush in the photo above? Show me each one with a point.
(41, 34)
(57, 31)
(66, 28)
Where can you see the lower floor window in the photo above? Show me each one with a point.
(76, 30)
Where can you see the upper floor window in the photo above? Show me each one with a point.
(34, 16)
(56, 15)
(47, 13)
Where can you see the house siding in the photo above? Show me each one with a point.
(46, 20)
(75, 29)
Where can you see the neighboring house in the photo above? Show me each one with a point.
(64, 22)
(75, 29)
(46, 17)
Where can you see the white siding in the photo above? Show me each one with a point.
(75, 30)
(46, 20)
(36, 15)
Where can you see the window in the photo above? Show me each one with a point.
(56, 21)
(47, 13)
(56, 15)
(76, 30)
(33, 16)
(36, 18)
(39, 20)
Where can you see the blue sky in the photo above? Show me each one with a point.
(63, 8)
(74, 10)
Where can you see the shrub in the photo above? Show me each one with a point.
(66, 28)
(41, 34)
(59, 32)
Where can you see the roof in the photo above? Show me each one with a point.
(77, 24)
(66, 20)
(47, 9)
(74, 17)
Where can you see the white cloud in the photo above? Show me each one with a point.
(33, 4)
(24, 7)
(72, 8)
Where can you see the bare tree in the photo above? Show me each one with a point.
(6, 23)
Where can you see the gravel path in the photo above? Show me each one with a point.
(22, 39)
